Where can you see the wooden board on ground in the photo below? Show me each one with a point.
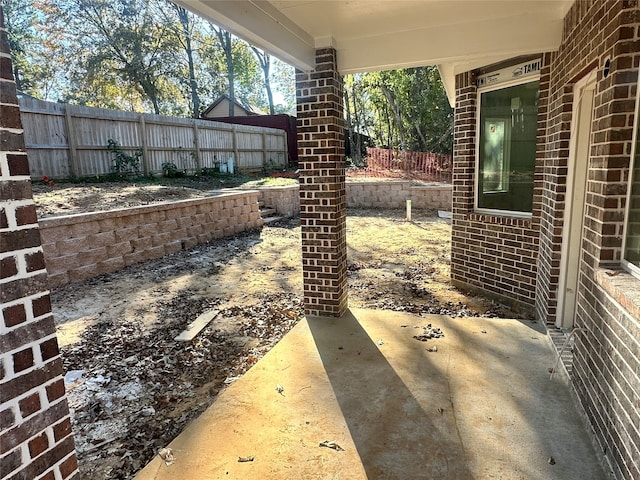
(195, 327)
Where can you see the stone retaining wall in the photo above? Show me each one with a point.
(390, 194)
(285, 200)
(396, 193)
(77, 247)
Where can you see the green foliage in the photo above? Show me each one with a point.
(142, 55)
(215, 173)
(150, 55)
(37, 57)
(124, 165)
(402, 109)
(170, 170)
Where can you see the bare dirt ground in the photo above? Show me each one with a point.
(132, 388)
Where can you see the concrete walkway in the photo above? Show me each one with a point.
(480, 407)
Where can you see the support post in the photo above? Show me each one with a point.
(322, 186)
(264, 150)
(196, 141)
(71, 141)
(145, 151)
(236, 160)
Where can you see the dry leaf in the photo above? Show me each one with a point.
(166, 454)
(332, 445)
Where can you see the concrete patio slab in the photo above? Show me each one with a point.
(481, 407)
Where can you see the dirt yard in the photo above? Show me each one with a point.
(132, 388)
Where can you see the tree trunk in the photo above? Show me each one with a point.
(423, 139)
(227, 47)
(267, 86)
(17, 78)
(232, 90)
(265, 64)
(349, 124)
(183, 15)
(357, 155)
(395, 108)
(148, 87)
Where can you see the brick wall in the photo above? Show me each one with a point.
(606, 369)
(322, 186)
(35, 437)
(495, 255)
(553, 191)
(77, 247)
(606, 362)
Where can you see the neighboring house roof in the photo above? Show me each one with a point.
(224, 98)
(21, 94)
(457, 36)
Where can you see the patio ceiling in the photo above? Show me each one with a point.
(368, 35)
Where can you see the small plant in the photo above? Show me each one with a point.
(47, 181)
(214, 172)
(124, 164)
(170, 170)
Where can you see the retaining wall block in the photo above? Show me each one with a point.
(126, 234)
(147, 229)
(141, 244)
(153, 252)
(83, 229)
(59, 279)
(102, 239)
(173, 247)
(82, 273)
(111, 265)
(134, 257)
(161, 239)
(167, 225)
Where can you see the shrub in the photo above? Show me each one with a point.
(124, 165)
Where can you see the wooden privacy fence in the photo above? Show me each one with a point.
(432, 167)
(68, 140)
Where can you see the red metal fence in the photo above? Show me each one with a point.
(430, 167)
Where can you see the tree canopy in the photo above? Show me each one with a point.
(155, 56)
(401, 109)
(140, 55)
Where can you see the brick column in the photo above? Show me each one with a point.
(35, 436)
(322, 186)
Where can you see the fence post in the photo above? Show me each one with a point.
(143, 138)
(286, 148)
(196, 141)
(236, 160)
(71, 141)
(264, 150)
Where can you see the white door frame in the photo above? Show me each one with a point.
(578, 166)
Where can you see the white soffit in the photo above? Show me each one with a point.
(387, 34)
(260, 24)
